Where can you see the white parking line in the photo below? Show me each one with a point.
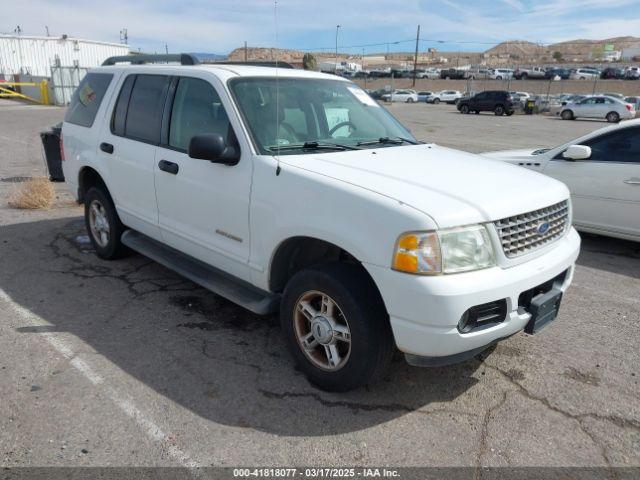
(128, 407)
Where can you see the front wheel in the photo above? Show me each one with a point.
(103, 224)
(566, 115)
(336, 326)
(464, 109)
(409, 100)
(436, 101)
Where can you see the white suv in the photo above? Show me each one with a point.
(295, 191)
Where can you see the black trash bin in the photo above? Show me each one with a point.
(529, 107)
(51, 144)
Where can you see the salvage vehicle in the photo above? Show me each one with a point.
(602, 171)
(294, 191)
(447, 96)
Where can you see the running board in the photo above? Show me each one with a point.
(234, 289)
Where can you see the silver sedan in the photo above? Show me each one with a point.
(608, 108)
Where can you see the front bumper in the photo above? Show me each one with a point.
(424, 311)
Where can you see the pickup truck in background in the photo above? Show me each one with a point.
(530, 73)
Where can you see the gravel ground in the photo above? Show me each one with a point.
(127, 364)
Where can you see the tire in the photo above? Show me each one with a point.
(477, 112)
(523, 76)
(409, 100)
(499, 110)
(464, 109)
(436, 101)
(613, 117)
(498, 78)
(566, 115)
(103, 224)
(357, 305)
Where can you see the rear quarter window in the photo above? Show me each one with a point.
(87, 99)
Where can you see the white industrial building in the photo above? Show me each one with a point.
(61, 60)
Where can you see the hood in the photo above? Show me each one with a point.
(452, 187)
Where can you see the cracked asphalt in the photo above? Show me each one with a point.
(127, 364)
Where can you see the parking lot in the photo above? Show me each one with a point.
(125, 363)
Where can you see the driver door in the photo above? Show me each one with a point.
(203, 206)
(605, 188)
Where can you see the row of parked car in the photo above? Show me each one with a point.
(612, 107)
(480, 73)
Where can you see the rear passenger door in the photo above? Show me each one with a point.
(129, 146)
(203, 206)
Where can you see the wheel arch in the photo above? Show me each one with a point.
(299, 252)
(89, 177)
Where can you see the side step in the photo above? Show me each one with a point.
(219, 282)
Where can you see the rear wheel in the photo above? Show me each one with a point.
(613, 117)
(336, 326)
(103, 224)
(499, 110)
(566, 115)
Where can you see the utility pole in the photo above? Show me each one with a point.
(47, 29)
(336, 65)
(166, 49)
(124, 36)
(245, 52)
(415, 58)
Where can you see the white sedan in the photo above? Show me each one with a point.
(609, 108)
(602, 170)
(407, 96)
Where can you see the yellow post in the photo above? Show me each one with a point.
(44, 92)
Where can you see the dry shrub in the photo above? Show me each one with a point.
(37, 193)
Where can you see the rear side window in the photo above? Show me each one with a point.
(144, 113)
(87, 98)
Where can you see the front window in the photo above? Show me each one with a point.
(286, 112)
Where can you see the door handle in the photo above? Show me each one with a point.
(632, 181)
(106, 147)
(168, 167)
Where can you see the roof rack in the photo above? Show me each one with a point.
(257, 64)
(139, 59)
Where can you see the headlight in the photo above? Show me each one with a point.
(444, 251)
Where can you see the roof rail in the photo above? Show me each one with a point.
(140, 58)
(257, 64)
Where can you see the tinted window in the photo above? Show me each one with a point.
(87, 98)
(197, 110)
(120, 110)
(144, 116)
(621, 146)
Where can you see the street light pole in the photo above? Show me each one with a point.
(335, 70)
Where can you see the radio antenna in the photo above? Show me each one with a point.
(275, 17)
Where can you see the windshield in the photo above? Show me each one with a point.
(313, 112)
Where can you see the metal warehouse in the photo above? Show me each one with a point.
(61, 60)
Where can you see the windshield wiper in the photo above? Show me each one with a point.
(387, 140)
(312, 146)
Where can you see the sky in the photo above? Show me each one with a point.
(219, 26)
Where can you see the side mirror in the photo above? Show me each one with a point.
(577, 152)
(212, 147)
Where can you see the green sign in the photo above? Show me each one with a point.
(608, 47)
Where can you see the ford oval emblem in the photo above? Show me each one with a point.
(543, 228)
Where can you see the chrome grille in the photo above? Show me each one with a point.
(520, 234)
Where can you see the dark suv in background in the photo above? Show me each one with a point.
(499, 102)
(452, 73)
